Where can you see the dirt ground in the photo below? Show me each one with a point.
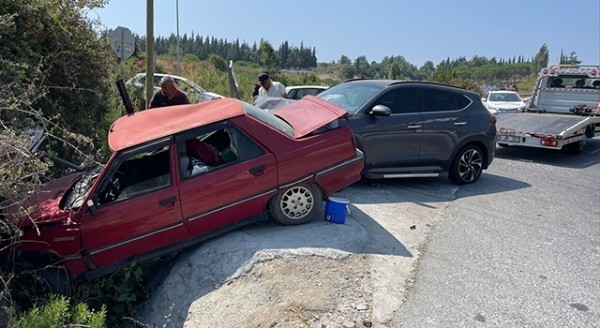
(320, 274)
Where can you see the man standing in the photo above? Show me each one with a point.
(269, 88)
(168, 95)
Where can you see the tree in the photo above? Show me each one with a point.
(344, 60)
(427, 70)
(218, 62)
(569, 60)
(268, 57)
(541, 58)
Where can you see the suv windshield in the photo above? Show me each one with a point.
(350, 96)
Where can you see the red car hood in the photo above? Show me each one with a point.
(309, 114)
(44, 204)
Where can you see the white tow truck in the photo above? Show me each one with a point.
(563, 112)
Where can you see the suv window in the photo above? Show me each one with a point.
(441, 100)
(400, 101)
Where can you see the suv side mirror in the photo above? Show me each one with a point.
(381, 110)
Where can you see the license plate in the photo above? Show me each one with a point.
(513, 139)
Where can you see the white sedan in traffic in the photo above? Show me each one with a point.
(500, 101)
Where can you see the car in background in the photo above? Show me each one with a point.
(194, 92)
(203, 170)
(299, 91)
(500, 101)
(417, 129)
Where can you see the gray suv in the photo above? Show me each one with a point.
(417, 129)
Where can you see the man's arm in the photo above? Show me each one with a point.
(283, 92)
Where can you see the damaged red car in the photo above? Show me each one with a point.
(180, 175)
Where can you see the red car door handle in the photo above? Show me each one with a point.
(256, 171)
(167, 202)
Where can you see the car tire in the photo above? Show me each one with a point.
(57, 280)
(296, 205)
(467, 165)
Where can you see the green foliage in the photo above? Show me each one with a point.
(120, 291)
(569, 60)
(526, 86)
(218, 62)
(190, 58)
(347, 72)
(59, 68)
(344, 60)
(268, 58)
(541, 58)
(58, 313)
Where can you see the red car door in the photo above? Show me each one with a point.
(221, 194)
(137, 207)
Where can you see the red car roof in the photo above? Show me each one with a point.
(155, 123)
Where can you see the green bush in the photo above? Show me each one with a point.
(59, 313)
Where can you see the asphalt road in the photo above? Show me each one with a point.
(520, 248)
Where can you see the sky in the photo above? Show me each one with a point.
(418, 30)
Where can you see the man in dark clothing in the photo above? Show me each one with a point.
(168, 95)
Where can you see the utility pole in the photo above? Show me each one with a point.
(178, 56)
(149, 51)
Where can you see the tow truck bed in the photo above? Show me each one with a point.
(546, 123)
(546, 130)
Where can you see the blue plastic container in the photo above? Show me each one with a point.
(336, 209)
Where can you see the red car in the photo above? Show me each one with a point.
(180, 175)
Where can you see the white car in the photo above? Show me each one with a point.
(194, 92)
(503, 101)
(299, 91)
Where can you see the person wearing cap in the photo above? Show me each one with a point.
(168, 95)
(269, 88)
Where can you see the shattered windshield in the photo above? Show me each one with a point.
(80, 189)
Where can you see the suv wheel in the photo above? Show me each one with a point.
(467, 165)
(296, 205)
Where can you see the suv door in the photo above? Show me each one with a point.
(230, 182)
(445, 123)
(137, 205)
(392, 140)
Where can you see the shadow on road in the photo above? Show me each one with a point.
(428, 191)
(589, 157)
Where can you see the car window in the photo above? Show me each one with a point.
(293, 94)
(504, 96)
(269, 119)
(211, 148)
(137, 173)
(308, 91)
(441, 100)
(157, 79)
(183, 86)
(399, 101)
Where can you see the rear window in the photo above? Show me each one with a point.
(269, 119)
(572, 81)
